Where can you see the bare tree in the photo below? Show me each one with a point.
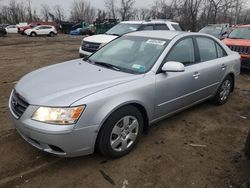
(45, 12)
(126, 10)
(82, 10)
(161, 10)
(58, 13)
(111, 7)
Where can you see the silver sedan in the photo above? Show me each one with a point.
(107, 100)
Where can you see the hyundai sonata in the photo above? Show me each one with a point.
(107, 100)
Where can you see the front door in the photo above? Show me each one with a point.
(176, 90)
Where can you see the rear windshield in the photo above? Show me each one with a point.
(176, 27)
(212, 30)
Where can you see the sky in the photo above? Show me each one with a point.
(66, 3)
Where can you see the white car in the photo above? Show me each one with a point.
(11, 29)
(91, 44)
(41, 30)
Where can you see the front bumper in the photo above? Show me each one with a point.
(64, 141)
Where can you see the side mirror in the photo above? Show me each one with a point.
(173, 66)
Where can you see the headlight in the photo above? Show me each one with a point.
(59, 116)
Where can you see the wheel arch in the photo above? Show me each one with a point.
(136, 104)
(231, 74)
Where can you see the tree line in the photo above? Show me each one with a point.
(191, 14)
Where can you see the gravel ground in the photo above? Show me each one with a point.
(165, 157)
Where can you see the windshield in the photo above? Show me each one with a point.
(130, 54)
(123, 28)
(215, 31)
(240, 33)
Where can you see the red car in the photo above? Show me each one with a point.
(239, 41)
(34, 24)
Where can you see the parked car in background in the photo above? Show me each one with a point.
(41, 30)
(21, 29)
(81, 31)
(247, 146)
(93, 43)
(107, 100)
(219, 31)
(239, 41)
(2, 31)
(4, 25)
(12, 29)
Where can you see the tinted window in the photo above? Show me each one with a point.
(148, 27)
(207, 49)
(220, 51)
(183, 52)
(161, 27)
(176, 27)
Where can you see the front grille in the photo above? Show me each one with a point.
(90, 46)
(245, 50)
(18, 104)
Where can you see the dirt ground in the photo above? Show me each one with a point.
(163, 158)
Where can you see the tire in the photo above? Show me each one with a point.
(247, 146)
(33, 34)
(114, 131)
(223, 93)
(52, 34)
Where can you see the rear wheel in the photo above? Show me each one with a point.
(121, 132)
(33, 34)
(247, 146)
(223, 92)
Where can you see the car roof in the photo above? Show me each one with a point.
(148, 22)
(167, 35)
(159, 34)
(45, 25)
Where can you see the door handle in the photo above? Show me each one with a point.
(223, 66)
(196, 75)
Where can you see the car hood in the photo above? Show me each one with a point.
(103, 38)
(237, 42)
(63, 84)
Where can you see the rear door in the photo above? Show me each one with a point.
(211, 67)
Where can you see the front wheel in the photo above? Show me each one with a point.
(52, 34)
(33, 34)
(121, 132)
(223, 92)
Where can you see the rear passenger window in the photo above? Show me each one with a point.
(207, 49)
(220, 51)
(148, 27)
(161, 27)
(183, 52)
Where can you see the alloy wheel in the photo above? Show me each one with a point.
(124, 133)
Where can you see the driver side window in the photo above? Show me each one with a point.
(183, 52)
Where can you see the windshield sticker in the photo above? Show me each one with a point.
(138, 67)
(156, 42)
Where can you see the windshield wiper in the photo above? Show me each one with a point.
(107, 65)
(235, 38)
(113, 34)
